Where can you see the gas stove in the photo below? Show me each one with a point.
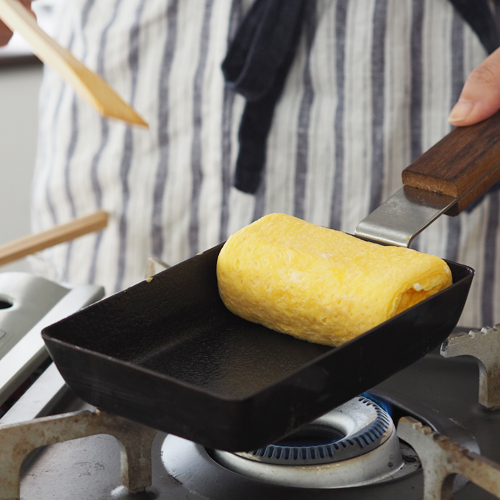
(430, 431)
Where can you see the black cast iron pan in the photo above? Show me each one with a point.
(168, 354)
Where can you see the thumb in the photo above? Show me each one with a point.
(480, 96)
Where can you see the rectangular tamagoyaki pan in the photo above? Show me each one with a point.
(167, 353)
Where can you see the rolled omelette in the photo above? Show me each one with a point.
(319, 284)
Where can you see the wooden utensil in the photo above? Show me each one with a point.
(65, 232)
(85, 82)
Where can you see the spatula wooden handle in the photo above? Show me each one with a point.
(464, 164)
(65, 232)
(85, 83)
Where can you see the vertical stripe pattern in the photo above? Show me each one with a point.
(227, 114)
(74, 134)
(378, 98)
(196, 149)
(128, 147)
(369, 90)
(157, 229)
(416, 77)
(304, 115)
(50, 203)
(104, 137)
(490, 260)
(457, 49)
(338, 131)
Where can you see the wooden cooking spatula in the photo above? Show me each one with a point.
(33, 243)
(85, 83)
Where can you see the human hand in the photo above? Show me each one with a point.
(5, 33)
(480, 96)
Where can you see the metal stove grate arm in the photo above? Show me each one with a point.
(484, 345)
(441, 459)
(18, 440)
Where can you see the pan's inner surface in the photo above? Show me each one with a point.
(232, 358)
(177, 325)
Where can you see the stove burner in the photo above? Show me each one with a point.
(350, 430)
(357, 445)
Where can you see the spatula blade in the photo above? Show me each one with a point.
(86, 83)
(403, 216)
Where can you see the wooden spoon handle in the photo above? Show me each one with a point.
(65, 232)
(87, 84)
(464, 164)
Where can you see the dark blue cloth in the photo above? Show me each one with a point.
(256, 66)
(478, 15)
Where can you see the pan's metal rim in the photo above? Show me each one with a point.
(196, 389)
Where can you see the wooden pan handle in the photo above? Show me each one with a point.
(464, 164)
(65, 232)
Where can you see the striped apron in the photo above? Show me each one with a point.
(369, 89)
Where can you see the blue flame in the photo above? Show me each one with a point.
(385, 405)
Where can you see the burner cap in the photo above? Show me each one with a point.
(350, 430)
(352, 445)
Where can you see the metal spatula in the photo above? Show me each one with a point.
(85, 83)
(446, 179)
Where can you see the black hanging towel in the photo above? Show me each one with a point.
(478, 15)
(256, 66)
